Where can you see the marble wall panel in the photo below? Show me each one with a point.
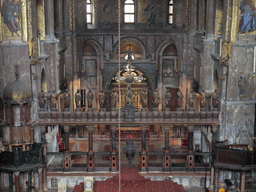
(239, 123)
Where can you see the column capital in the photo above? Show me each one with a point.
(40, 170)
(215, 128)
(42, 128)
(167, 127)
(90, 128)
(113, 128)
(66, 128)
(16, 173)
(190, 128)
(144, 128)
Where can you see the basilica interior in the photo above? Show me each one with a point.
(127, 95)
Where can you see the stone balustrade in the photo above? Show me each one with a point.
(112, 117)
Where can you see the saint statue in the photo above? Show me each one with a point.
(90, 99)
(78, 99)
(41, 99)
(113, 99)
(150, 9)
(102, 99)
(144, 98)
(32, 47)
(226, 51)
(215, 99)
(168, 99)
(205, 99)
(191, 99)
(53, 100)
(242, 85)
(66, 100)
(180, 98)
(156, 98)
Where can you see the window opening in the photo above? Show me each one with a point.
(89, 11)
(170, 14)
(129, 11)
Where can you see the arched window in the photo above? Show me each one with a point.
(170, 12)
(129, 11)
(89, 11)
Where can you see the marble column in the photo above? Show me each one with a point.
(66, 132)
(29, 180)
(143, 138)
(17, 181)
(214, 131)
(191, 131)
(10, 182)
(44, 179)
(243, 181)
(143, 153)
(43, 139)
(210, 17)
(67, 157)
(90, 156)
(166, 131)
(114, 162)
(167, 155)
(212, 179)
(190, 156)
(113, 129)
(216, 179)
(40, 179)
(1, 180)
(37, 133)
(49, 21)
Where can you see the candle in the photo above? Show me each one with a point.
(220, 45)
(254, 59)
(194, 71)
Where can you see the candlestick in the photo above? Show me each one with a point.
(254, 59)
(220, 46)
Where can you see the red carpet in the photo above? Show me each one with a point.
(131, 181)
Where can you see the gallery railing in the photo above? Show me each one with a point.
(18, 158)
(202, 117)
(234, 158)
(155, 161)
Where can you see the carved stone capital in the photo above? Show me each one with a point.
(190, 128)
(16, 173)
(167, 127)
(215, 128)
(40, 170)
(66, 128)
(143, 128)
(113, 128)
(42, 128)
(90, 128)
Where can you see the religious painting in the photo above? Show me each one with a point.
(11, 18)
(247, 16)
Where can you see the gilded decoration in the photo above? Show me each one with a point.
(228, 20)
(41, 19)
(243, 19)
(24, 20)
(219, 21)
(225, 51)
(11, 19)
(29, 17)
